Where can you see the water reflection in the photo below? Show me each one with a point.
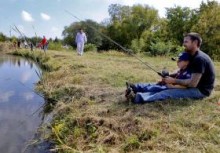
(16, 61)
(17, 103)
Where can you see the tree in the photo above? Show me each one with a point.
(90, 27)
(208, 26)
(118, 12)
(180, 21)
(2, 37)
(128, 23)
(158, 32)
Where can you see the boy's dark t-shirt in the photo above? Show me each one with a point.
(183, 74)
(202, 63)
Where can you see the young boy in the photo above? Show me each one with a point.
(151, 88)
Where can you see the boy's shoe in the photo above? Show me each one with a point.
(130, 85)
(130, 97)
(128, 91)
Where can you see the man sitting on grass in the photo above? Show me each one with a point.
(199, 85)
(151, 88)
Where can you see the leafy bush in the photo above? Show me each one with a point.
(179, 49)
(160, 48)
(2, 37)
(90, 47)
(137, 45)
(55, 46)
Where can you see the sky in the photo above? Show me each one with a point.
(49, 17)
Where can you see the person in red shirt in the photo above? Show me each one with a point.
(44, 43)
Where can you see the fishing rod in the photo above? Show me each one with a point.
(117, 44)
(22, 34)
(10, 31)
(36, 37)
(36, 45)
(15, 30)
(34, 31)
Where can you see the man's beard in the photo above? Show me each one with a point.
(187, 50)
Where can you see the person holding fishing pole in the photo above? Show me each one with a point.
(198, 86)
(80, 40)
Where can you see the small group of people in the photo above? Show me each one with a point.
(194, 79)
(17, 44)
(43, 44)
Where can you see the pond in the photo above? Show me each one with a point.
(20, 105)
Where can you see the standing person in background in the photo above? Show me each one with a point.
(44, 43)
(25, 44)
(31, 46)
(14, 42)
(80, 40)
(19, 44)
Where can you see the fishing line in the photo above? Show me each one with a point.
(34, 31)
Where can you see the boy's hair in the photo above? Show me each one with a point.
(195, 37)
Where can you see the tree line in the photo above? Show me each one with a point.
(140, 28)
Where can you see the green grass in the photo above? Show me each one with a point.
(91, 114)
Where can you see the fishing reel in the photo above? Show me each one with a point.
(164, 73)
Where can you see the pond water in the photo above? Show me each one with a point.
(20, 115)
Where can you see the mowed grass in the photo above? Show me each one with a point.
(91, 113)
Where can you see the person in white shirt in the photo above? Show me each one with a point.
(81, 39)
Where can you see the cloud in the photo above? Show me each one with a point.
(28, 96)
(45, 16)
(26, 16)
(5, 96)
(26, 76)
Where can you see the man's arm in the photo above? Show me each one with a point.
(171, 86)
(193, 82)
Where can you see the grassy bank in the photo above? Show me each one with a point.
(6, 47)
(92, 116)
